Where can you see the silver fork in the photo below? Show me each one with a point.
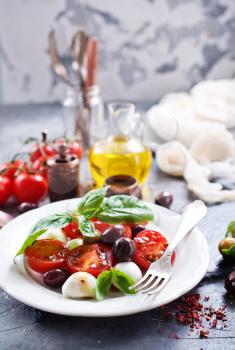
(160, 271)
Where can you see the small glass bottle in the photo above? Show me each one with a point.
(70, 105)
(90, 118)
(121, 153)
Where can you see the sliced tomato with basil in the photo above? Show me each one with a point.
(103, 226)
(150, 245)
(72, 231)
(46, 254)
(91, 258)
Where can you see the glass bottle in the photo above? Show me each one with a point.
(90, 125)
(70, 105)
(121, 153)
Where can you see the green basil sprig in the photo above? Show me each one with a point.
(53, 221)
(86, 227)
(91, 203)
(123, 208)
(103, 284)
(29, 241)
(121, 280)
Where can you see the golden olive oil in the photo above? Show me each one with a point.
(119, 155)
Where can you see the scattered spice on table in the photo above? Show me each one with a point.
(196, 313)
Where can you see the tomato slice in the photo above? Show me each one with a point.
(91, 258)
(99, 225)
(127, 233)
(71, 230)
(46, 254)
(150, 245)
(102, 226)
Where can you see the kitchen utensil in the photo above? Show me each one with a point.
(160, 271)
(58, 67)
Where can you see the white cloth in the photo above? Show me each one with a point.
(198, 122)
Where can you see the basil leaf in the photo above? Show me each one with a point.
(86, 227)
(229, 252)
(123, 281)
(122, 208)
(231, 230)
(103, 284)
(125, 215)
(91, 202)
(123, 201)
(53, 221)
(29, 241)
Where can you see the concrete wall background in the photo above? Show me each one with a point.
(147, 47)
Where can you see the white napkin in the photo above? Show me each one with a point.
(199, 122)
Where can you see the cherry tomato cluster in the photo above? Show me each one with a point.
(26, 179)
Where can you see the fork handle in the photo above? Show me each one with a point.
(192, 214)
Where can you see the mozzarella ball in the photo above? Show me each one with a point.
(131, 269)
(74, 243)
(54, 233)
(79, 285)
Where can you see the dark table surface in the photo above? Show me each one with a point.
(22, 327)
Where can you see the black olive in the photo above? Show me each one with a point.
(111, 234)
(24, 207)
(55, 278)
(137, 228)
(229, 283)
(123, 249)
(165, 199)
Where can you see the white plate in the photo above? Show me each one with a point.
(191, 263)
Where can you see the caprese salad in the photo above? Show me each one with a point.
(104, 244)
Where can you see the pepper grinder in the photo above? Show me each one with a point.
(63, 175)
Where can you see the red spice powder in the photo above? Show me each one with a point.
(190, 310)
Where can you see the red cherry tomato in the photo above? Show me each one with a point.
(9, 169)
(29, 188)
(127, 232)
(91, 258)
(40, 166)
(41, 150)
(150, 245)
(71, 230)
(76, 149)
(5, 189)
(45, 255)
(102, 226)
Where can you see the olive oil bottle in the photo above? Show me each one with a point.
(120, 153)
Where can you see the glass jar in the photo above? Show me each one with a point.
(90, 118)
(120, 153)
(70, 105)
